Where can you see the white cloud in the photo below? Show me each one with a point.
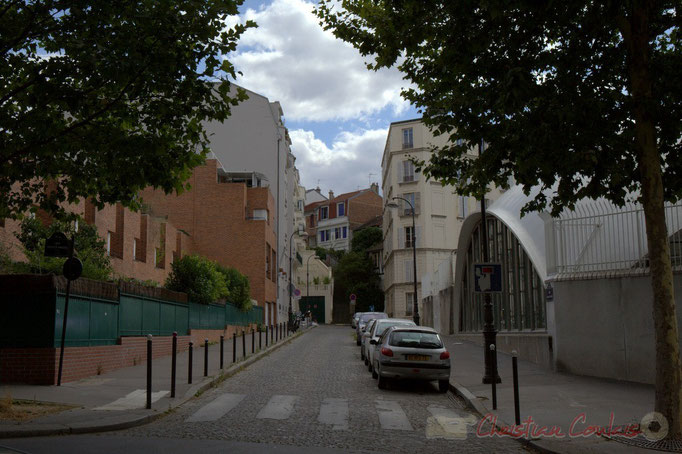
(344, 167)
(316, 77)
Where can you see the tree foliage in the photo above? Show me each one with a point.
(366, 238)
(107, 98)
(355, 273)
(89, 247)
(238, 288)
(581, 98)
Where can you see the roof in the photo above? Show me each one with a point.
(339, 198)
(376, 221)
(425, 329)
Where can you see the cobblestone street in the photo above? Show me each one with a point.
(316, 392)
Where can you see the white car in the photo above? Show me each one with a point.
(377, 330)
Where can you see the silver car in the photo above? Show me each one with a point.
(364, 340)
(412, 352)
(375, 333)
(354, 320)
(362, 322)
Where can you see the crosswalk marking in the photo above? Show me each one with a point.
(445, 423)
(217, 408)
(335, 413)
(391, 416)
(136, 399)
(278, 407)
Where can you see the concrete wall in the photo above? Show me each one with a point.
(605, 327)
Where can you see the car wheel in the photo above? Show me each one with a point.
(362, 356)
(443, 385)
(381, 382)
(374, 373)
(358, 342)
(369, 366)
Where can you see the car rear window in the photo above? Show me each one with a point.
(382, 327)
(415, 339)
(365, 317)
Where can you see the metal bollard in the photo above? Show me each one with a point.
(515, 372)
(260, 339)
(205, 357)
(149, 371)
(234, 347)
(493, 356)
(174, 362)
(266, 335)
(222, 350)
(243, 344)
(277, 332)
(253, 341)
(272, 333)
(189, 363)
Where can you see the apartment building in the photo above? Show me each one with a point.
(330, 222)
(438, 215)
(231, 220)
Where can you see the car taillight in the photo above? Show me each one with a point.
(386, 351)
(445, 355)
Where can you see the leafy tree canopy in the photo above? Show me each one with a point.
(108, 97)
(366, 238)
(547, 87)
(238, 288)
(199, 278)
(355, 273)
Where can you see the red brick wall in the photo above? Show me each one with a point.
(364, 208)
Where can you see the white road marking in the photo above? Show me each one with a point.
(391, 416)
(278, 407)
(447, 424)
(217, 408)
(136, 399)
(335, 413)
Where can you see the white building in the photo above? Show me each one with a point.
(438, 215)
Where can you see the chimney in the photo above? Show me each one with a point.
(374, 187)
(331, 194)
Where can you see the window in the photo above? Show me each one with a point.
(108, 243)
(340, 209)
(324, 212)
(337, 232)
(409, 303)
(345, 232)
(325, 235)
(463, 206)
(408, 138)
(408, 171)
(300, 205)
(267, 261)
(409, 236)
(413, 198)
(134, 248)
(260, 215)
(409, 270)
(459, 142)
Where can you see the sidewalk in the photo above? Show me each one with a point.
(551, 399)
(116, 400)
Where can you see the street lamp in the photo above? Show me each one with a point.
(303, 235)
(415, 311)
(307, 275)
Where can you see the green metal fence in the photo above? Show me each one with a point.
(91, 321)
(142, 315)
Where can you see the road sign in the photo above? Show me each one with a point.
(297, 292)
(57, 246)
(487, 277)
(73, 268)
(353, 297)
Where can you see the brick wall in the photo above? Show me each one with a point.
(364, 208)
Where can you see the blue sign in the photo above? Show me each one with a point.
(371, 308)
(487, 277)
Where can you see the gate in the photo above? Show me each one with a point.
(314, 304)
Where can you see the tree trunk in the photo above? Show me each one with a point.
(668, 382)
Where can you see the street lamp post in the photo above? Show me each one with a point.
(307, 275)
(415, 311)
(303, 235)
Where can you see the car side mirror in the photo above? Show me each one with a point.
(373, 341)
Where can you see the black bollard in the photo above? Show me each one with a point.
(515, 372)
(189, 363)
(260, 339)
(493, 355)
(174, 362)
(234, 347)
(272, 333)
(277, 332)
(243, 344)
(149, 371)
(253, 341)
(205, 357)
(222, 350)
(266, 335)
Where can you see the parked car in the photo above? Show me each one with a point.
(354, 320)
(375, 333)
(364, 340)
(411, 352)
(362, 321)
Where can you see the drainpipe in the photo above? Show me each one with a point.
(279, 139)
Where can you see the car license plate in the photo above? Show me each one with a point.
(418, 357)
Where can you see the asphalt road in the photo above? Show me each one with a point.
(314, 395)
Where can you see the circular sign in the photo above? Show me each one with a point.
(353, 297)
(297, 292)
(73, 268)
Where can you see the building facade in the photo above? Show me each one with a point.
(438, 215)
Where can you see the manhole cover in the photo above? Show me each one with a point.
(640, 441)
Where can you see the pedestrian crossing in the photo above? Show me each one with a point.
(334, 413)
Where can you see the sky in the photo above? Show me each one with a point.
(336, 110)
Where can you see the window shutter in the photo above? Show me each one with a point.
(417, 202)
(418, 236)
(401, 237)
(400, 171)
